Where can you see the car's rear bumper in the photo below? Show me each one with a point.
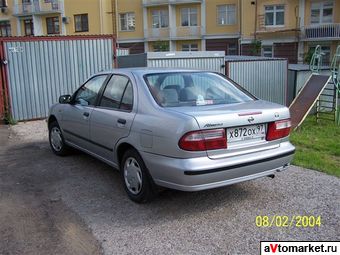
(204, 173)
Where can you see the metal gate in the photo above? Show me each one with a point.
(36, 71)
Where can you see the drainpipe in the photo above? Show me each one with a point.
(301, 26)
(240, 26)
(101, 15)
(255, 20)
(203, 25)
(116, 21)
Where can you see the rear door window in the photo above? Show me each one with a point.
(118, 94)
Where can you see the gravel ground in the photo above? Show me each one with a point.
(219, 221)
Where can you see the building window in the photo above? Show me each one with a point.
(28, 26)
(52, 25)
(232, 49)
(322, 12)
(5, 28)
(160, 18)
(190, 47)
(226, 14)
(3, 4)
(274, 15)
(267, 51)
(189, 17)
(127, 21)
(81, 22)
(26, 6)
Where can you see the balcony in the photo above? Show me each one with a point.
(166, 2)
(38, 8)
(154, 34)
(321, 32)
(186, 32)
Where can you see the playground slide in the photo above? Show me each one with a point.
(307, 97)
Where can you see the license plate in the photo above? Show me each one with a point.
(246, 133)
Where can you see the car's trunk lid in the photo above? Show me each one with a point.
(245, 124)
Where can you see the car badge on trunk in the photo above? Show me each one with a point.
(251, 119)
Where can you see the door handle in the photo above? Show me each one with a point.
(121, 121)
(86, 114)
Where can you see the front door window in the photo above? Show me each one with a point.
(87, 94)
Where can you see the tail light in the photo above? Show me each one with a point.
(204, 140)
(278, 129)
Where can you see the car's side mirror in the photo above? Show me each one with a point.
(65, 99)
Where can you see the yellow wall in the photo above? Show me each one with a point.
(291, 12)
(136, 7)
(212, 27)
(99, 15)
(107, 17)
(276, 35)
(248, 17)
(336, 11)
(90, 7)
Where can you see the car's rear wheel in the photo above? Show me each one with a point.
(56, 140)
(137, 181)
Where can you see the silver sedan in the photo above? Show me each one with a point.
(181, 129)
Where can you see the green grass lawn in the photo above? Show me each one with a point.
(318, 146)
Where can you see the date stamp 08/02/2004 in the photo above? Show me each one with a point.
(299, 221)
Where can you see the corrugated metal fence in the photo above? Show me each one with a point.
(203, 60)
(40, 70)
(264, 78)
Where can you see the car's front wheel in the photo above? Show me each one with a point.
(56, 140)
(137, 182)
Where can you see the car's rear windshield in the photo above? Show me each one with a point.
(194, 89)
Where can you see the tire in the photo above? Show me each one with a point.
(137, 181)
(56, 140)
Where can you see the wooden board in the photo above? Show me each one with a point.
(307, 97)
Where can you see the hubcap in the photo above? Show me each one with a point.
(56, 140)
(133, 176)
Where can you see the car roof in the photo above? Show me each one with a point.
(147, 70)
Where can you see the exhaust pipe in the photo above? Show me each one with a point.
(271, 176)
